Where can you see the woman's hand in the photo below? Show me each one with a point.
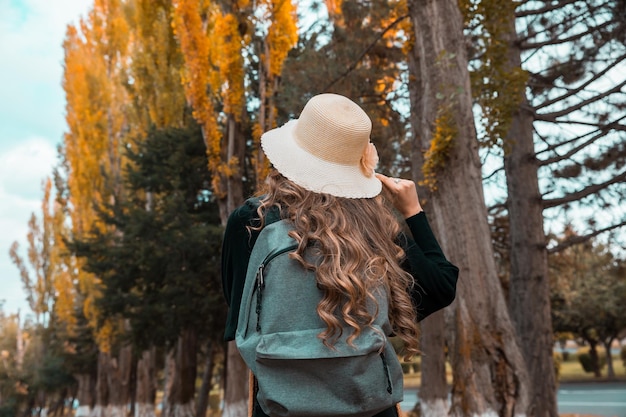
(404, 194)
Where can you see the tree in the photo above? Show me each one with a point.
(488, 368)
(498, 83)
(587, 290)
(531, 84)
(39, 288)
(360, 52)
(158, 261)
(95, 58)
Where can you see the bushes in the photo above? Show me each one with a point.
(584, 357)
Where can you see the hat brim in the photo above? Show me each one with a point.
(313, 173)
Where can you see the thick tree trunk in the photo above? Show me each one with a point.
(102, 386)
(146, 384)
(595, 358)
(205, 388)
(490, 378)
(433, 394)
(433, 391)
(119, 382)
(236, 387)
(529, 291)
(168, 379)
(180, 399)
(236, 373)
(84, 394)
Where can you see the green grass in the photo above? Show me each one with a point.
(571, 370)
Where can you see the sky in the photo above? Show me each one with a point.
(32, 119)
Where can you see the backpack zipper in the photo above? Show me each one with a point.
(260, 281)
(386, 368)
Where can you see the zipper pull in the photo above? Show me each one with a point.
(260, 284)
(386, 368)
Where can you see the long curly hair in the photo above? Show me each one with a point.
(357, 243)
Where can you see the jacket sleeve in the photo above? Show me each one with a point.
(435, 276)
(236, 248)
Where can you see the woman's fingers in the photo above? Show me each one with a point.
(404, 192)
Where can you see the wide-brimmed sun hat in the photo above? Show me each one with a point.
(327, 149)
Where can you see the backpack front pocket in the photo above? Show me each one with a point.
(298, 375)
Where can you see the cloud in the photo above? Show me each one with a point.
(31, 118)
(22, 170)
(32, 34)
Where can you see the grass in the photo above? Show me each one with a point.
(570, 371)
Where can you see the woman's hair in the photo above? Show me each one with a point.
(356, 240)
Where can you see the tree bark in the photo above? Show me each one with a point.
(180, 399)
(119, 382)
(489, 376)
(205, 388)
(84, 394)
(236, 388)
(102, 386)
(146, 384)
(433, 391)
(610, 370)
(529, 291)
(236, 372)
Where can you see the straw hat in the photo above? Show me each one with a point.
(327, 150)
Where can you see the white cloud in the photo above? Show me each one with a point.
(22, 170)
(31, 117)
(31, 96)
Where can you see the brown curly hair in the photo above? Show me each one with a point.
(357, 241)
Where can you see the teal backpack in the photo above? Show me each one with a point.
(277, 336)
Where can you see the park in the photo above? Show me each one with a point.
(508, 115)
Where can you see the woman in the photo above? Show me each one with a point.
(324, 184)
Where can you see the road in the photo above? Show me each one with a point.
(606, 399)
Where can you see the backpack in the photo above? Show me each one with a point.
(277, 336)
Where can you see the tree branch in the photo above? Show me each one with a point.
(578, 89)
(551, 117)
(575, 240)
(545, 9)
(601, 132)
(365, 51)
(537, 45)
(591, 189)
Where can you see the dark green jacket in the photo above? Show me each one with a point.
(435, 276)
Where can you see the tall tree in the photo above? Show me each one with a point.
(158, 264)
(499, 85)
(214, 41)
(40, 287)
(489, 375)
(530, 87)
(360, 52)
(588, 287)
(95, 57)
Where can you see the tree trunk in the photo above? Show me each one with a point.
(102, 386)
(433, 391)
(236, 375)
(84, 394)
(595, 358)
(433, 395)
(236, 385)
(205, 388)
(146, 384)
(610, 370)
(529, 291)
(488, 368)
(168, 379)
(119, 382)
(180, 399)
